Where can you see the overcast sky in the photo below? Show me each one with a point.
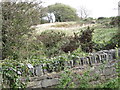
(97, 8)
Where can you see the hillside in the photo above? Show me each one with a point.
(101, 33)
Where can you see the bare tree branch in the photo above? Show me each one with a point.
(83, 12)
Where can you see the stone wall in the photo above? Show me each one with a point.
(52, 79)
(93, 58)
(44, 79)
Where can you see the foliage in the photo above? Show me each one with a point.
(101, 18)
(73, 80)
(17, 18)
(102, 38)
(66, 80)
(115, 21)
(71, 45)
(78, 53)
(85, 39)
(20, 45)
(103, 21)
(62, 12)
(81, 39)
(52, 41)
(113, 83)
(82, 80)
(114, 39)
(50, 38)
(12, 72)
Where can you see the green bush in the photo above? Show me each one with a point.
(81, 39)
(66, 80)
(17, 18)
(115, 21)
(113, 83)
(52, 40)
(50, 37)
(86, 40)
(12, 71)
(71, 79)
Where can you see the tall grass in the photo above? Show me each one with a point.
(104, 34)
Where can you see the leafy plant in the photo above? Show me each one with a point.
(66, 80)
(17, 17)
(53, 40)
(12, 72)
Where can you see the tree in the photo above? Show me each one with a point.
(84, 13)
(17, 18)
(62, 12)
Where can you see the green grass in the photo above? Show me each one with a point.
(104, 34)
(101, 34)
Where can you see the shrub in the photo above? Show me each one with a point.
(50, 38)
(72, 45)
(115, 21)
(12, 71)
(83, 39)
(99, 18)
(86, 40)
(53, 40)
(17, 17)
(66, 80)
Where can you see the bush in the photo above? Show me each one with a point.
(66, 80)
(17, 17)
(81, 39)
(72, 44)
(74, 79)
(12, 71)
(50, 38)
(115, 21)
(53, 40)
(86, 40)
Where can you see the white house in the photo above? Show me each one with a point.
(50, 17)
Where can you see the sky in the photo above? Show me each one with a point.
(96, 8)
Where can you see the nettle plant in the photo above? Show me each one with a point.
(66, 80)
(12, 71)
(69, 79)
(55, 63)
(73, 80)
